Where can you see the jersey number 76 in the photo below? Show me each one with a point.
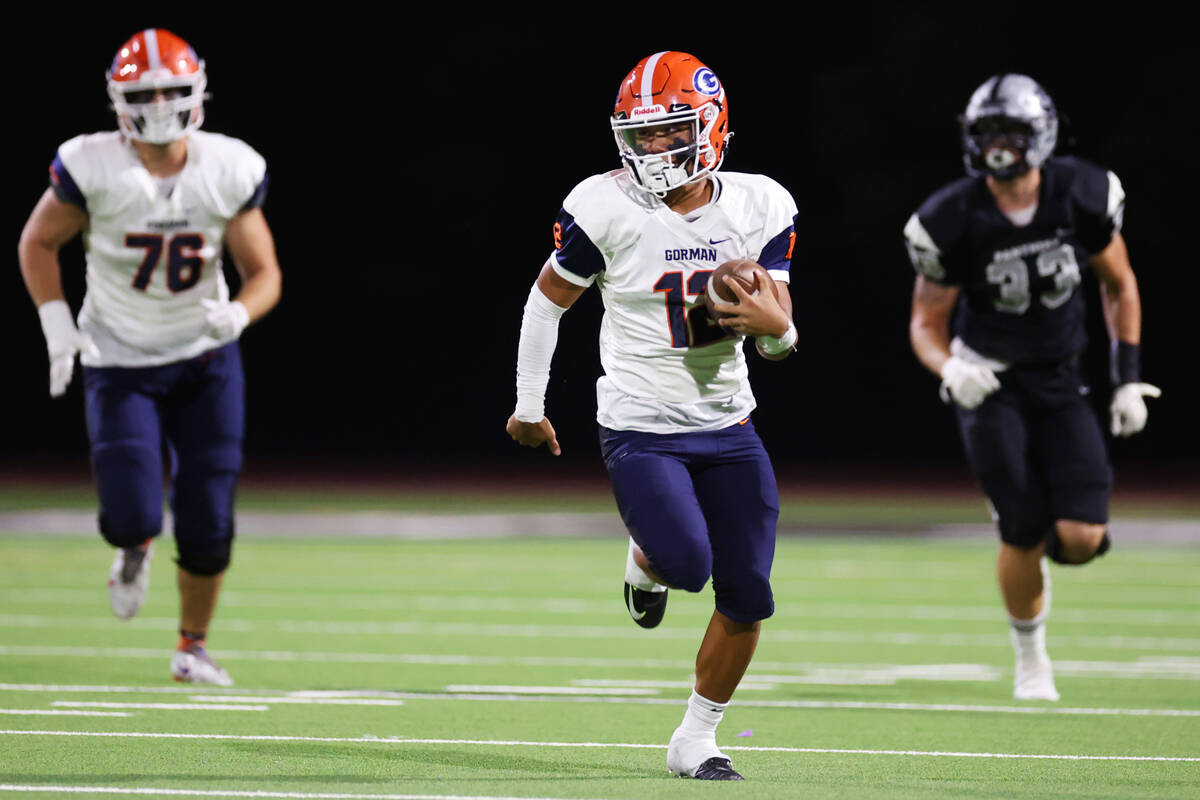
(183, 262)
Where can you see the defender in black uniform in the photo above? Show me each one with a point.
(1002, 252)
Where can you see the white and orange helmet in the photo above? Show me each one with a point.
(156, 84)
(671, 88)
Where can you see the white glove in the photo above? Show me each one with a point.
(63, 342)
(1128, 409)
(967, 383)
(228, 320)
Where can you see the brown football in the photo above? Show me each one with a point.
(750, 274)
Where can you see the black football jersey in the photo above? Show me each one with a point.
(1020, 299)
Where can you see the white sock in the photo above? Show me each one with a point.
(1029, 643)
(1029, 635)
(636, 577)
(695, 740)
(703, 715)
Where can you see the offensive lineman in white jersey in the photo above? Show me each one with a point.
(156, 202)
(694, 485)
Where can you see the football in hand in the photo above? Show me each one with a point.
(750, 274)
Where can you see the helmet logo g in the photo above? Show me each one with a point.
(706, 82)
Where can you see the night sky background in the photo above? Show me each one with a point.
(416, 170)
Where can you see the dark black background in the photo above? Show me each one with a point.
(417, 168)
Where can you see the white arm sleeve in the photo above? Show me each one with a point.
(539, 335)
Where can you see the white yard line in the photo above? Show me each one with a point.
(43, 712)
(308, 701)
(603, 745)
(101, 689)
(249, 598)
(161, 706)
(379, 697)
(7, 787)
(466, 688)
(568, 632)
(762, 674)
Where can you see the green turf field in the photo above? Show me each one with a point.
(509, 668)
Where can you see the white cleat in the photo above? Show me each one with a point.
(129, 580)
(1034, 680)
(688, 751)
(195, 666)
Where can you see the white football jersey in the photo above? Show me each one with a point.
(668, 367)
(154, 246)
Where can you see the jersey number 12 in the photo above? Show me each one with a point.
(690, 327)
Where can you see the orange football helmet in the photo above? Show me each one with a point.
(671, 121)
(156, 84)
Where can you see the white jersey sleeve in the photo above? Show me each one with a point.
(154, 246)
(667, 366)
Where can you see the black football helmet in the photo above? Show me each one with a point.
(1008, 114)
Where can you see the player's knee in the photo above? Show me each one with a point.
(1071, 542)
(685, 570)
(130, 496)
(748, 600)
(205, 562)
(1024, 534)
(127, 524)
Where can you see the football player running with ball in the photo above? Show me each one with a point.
(691, 478)
(1001, 251)
(156, 202)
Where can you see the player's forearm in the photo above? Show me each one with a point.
(1123, 311)
(40, 271)
(261, 292)
(930, 340)
(535, 351)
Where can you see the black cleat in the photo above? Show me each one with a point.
(717, 769)
(646, 608)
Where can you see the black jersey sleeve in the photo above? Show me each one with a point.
(1099, 201)
(933, 235)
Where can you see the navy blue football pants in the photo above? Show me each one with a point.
(700, 505)
(1038, 452)
(192, 414)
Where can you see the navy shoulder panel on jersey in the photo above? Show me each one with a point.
(778, 252)
(260, 195)
(574, 250)
(1097, 204)
(64, 185)
(944, 213)
(943, 217)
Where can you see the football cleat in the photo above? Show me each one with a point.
(717, 769)
(1034, 680)
(646, 608)
(129, 580)
(686, 750)
(194, 665)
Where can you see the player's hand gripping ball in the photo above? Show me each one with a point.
(750, 274)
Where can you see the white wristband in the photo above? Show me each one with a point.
(56, 318)
(539, 335)
(774, 346)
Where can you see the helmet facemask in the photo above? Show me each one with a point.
(1010, 126)
(159, 108)
(664, 151)
(999, 145)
